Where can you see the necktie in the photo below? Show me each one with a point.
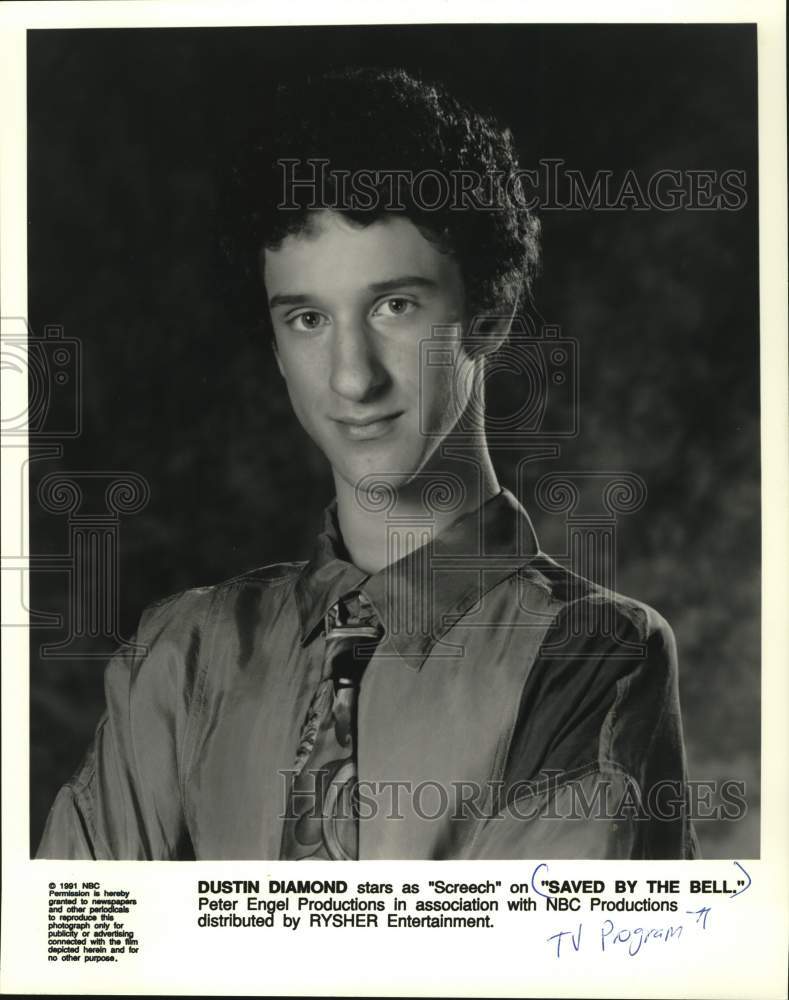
(321, 821)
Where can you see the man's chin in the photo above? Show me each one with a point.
(377, 489)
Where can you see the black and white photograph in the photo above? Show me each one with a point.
(394, 447)
(407, 500)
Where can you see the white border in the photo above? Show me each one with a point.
(746, 958)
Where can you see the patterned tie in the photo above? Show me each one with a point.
(322, 819)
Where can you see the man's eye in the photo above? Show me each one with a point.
(307, 321)
(395, 306)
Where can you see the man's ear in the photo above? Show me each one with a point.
(487, 332)
(276, 355)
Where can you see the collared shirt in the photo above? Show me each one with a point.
(512, 710)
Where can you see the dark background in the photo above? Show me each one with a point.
(129, 135)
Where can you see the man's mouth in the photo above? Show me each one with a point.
(367, 428)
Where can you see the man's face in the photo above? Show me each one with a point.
(349, 307)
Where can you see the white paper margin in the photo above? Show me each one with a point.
(744, 955)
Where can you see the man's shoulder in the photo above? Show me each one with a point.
(590, 604)
(199, 601)
(174, 632)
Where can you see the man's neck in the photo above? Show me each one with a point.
(378, 530)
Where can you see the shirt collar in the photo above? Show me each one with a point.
(419, 597)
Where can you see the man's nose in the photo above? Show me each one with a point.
(357, 370)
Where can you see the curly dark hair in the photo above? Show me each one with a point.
(387, 127)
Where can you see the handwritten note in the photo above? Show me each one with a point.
(618, 935)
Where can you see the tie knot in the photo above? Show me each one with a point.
(353, 613)
(352, 632)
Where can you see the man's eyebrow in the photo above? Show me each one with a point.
(392, 284)
(379, 287)
(287, 300)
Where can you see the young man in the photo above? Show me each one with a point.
(429, 684)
